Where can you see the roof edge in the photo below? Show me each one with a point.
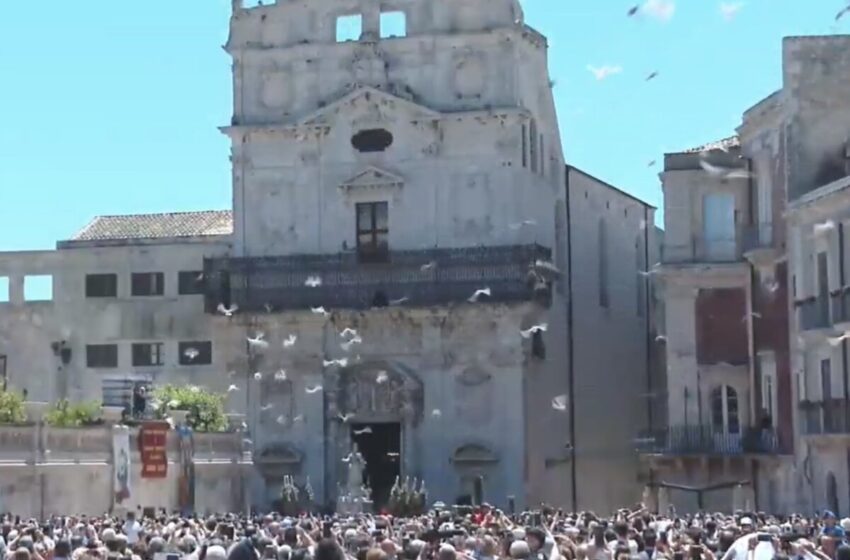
(570, 167)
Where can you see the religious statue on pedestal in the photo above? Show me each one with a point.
(356, 467)
(355, 496)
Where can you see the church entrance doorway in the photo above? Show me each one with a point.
(380, 445)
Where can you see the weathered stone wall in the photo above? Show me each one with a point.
(816, 75)
(46, 471)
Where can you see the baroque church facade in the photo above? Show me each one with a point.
(408, 265)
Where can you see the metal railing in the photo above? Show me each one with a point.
(706, 440)
(825, 417)
(841, 306)
(813, 313)
(416, 278)
(699, 248)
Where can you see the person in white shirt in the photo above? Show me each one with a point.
(132, 528)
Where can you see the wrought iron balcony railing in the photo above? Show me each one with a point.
(706, 440)
(825, 417)
(722, 249)
(841, 306)
(408, 278)
(813, 313)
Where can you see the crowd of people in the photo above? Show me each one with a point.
(459, 533)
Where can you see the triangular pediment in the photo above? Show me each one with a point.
(373, 178)
(374, 100)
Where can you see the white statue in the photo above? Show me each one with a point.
(356, 467)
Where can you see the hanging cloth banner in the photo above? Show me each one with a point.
(186, 484)
(152, 441)
(121, 463)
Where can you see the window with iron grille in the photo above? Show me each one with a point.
(147, 284)
(102, 355)
(190, 282)
(148, 354)
(101, 285)
(197, 353)
(373, 231)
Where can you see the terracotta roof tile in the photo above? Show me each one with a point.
(157, 226)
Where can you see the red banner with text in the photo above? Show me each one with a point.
(152, 442)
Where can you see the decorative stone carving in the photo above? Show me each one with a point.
(377, 391)
(473, 454)
(473, 376)
(277, 400)
(276, 92)
(474, 396)
(470, 76)
(372, 178)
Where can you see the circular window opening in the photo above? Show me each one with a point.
(372, 140)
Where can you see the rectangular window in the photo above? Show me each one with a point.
(4, 289)
(718, 227)
(101, 285)
(147, 284)
(4, 376)
(349, 28)
(767, 370)
(825, 380)
(532, 141)
(195, 353)
(826, 395)
(102, 356)
(524, 146)
(126, 393)
(604, 300)
(823, 287)
(393, 24)
(641, 280)
(373, 231)
(542, 157)
(147, 354)
(190, 283)
(38, 288)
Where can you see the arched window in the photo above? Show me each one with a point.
(724, 410)
(832, 493)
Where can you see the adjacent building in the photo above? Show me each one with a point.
(816, 114)
(753, 276)
(409, 265)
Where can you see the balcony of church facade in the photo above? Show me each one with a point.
(416, 278)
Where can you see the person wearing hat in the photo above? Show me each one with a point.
(830, 527)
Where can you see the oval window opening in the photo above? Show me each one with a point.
(372, 140)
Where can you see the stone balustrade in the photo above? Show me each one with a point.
(51, 470)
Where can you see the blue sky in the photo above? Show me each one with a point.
(112, 107)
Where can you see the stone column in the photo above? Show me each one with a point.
(16, 290)
(737, 498)
(682, 394)
(663, 500)
(371, 20)
(650, 498)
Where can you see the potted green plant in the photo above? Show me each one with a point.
(201, 410)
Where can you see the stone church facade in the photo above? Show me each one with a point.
(402, 220)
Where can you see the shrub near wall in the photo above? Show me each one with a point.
(12, 408)
(67, 415)
(205, 410)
